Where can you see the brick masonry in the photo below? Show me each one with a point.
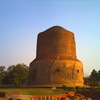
(56, 63)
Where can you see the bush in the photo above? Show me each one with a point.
(64, 87)
(70, 88)
(77, 88)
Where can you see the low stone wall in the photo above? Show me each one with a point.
(4, 98)
(69, 96)
(8, 94)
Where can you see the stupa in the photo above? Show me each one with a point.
(56, 63)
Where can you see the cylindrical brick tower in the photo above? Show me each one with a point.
(56, 62)
(56, 42)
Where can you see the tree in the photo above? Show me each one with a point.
(93, 74)
(94, 78)
(10, 68)
(17, 74)
(2, 73)
(2, 68)
(98, 78)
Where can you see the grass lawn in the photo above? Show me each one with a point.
(34, 91)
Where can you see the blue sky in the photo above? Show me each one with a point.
(22, 20)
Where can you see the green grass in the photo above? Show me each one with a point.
(34, 92)
(43, 91)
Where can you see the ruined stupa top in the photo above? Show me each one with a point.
(56, 43)
(56, 29)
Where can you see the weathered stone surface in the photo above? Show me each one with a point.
(56, 72)
(56, 43)
(8, 94)
(56, 62)
(70, 96)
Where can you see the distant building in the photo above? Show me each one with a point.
(56, 63)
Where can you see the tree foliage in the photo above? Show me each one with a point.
(16, 74)
(2, 73)
(93, 79)
(95, 76)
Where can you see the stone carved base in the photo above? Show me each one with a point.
(56, 72)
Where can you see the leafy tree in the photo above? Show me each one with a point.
(2, 68)
(17, 74)
(94, 74)
(10, 68)
(64, 87)
(94, 77)
(98, 78)
(2, 73)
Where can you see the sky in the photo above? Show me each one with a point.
(22, 20)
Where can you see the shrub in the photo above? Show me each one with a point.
(64, 87)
